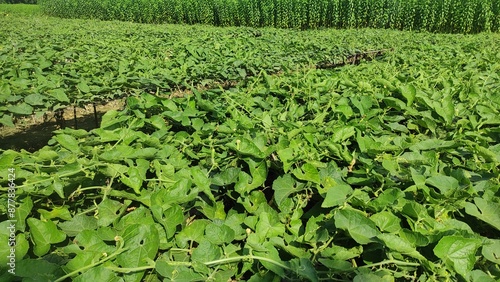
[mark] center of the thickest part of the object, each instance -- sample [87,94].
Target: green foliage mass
[468,16]
[385,170]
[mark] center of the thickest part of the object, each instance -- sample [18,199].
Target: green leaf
[59,94]
[447,109]
[343,133]
[307,172]
[271,253]
[142,242]
[7,120]
[56,212]
[134,179]
[480,276]
[283,187]
[336,195]
[20,248]
[82,86]
[408,91]
[99,273]
[38,270]
[286,156]
[269,226]
[206,252]
[258,171]
[79,223]
[400,245]
[219,234]
[67,141]
[192,232]
[22,212]
[246,147]
[447,185]
[432,144]
[21,109]
[35,99]
[304,268]
[177,273]
[387,221]
[5,91]
[107,212]
[458,253]
[491,251]
[361,228]
[489,211]
[44,233]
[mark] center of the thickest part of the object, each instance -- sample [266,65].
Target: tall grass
[453,16]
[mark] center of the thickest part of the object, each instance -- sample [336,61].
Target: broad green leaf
[343,133]
[107,212]
[336,195]
[21,109]
[246,147]
[19,249]
[409,92]
[283,187]
[490,211]
[139,215]
[269,226]
[4,91]
[258,171]
[414,238]
[304,268]
[432,144]
[271,253]
[447,109]
[192,232]
[82,86]
[35,99]
[491,251]
[480,276]
[307,172]
[79,223]
[134,179]
[219,234]
[67,141]
[99,273]
[173,217]
[201,180]
[447,185]
[56,212]
[142,242]
[6,120]
[33,270]
[22,211]
[361,228]
[387,221]
[44,233]
[286,156]
[369,277]
[177,273]
[458,253]
[59,94]
[206,252]
[400,245]
[387,198]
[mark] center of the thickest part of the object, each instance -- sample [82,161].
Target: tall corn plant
[465,16]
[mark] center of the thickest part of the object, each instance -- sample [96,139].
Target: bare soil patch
[32,133]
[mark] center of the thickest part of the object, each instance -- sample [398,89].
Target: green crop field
[246,152]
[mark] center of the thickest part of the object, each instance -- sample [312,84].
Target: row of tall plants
[465,16]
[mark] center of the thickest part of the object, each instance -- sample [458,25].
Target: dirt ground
[33,133]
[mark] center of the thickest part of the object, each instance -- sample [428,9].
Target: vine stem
[391,261]
[249,257]
[114,254]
